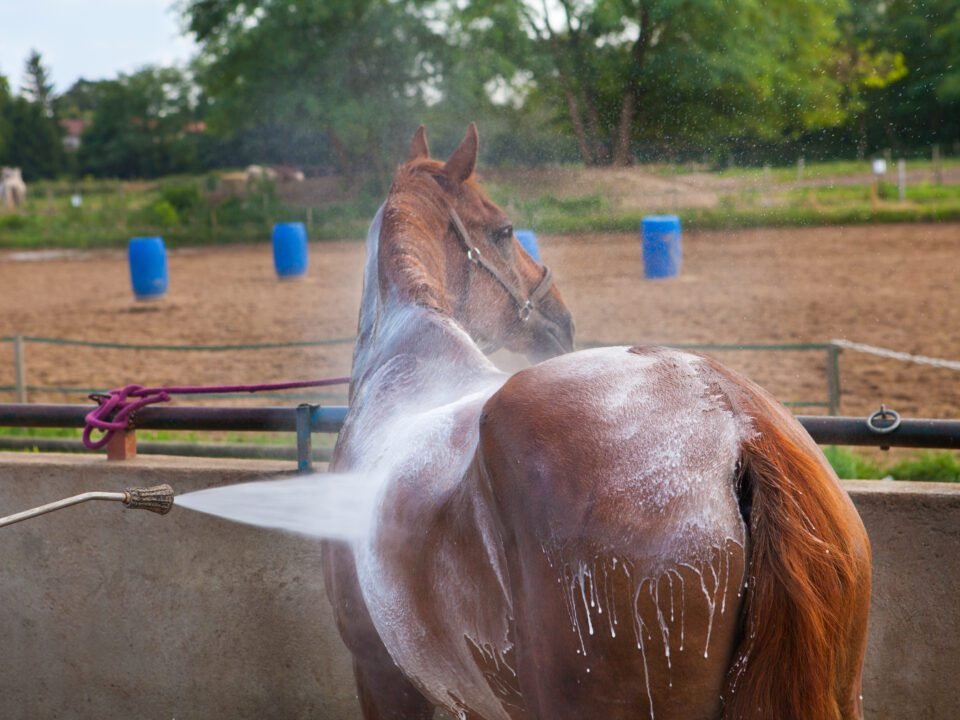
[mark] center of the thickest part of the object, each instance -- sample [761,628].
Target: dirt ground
[894,286]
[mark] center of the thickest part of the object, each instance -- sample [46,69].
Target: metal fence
[882,429]
[22,389]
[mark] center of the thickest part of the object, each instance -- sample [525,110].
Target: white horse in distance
[13,190]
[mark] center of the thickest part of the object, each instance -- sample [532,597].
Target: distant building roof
[74,127]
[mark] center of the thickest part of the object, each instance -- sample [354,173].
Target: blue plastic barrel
[290,249]
[148,267]
[661,246]
[528,240]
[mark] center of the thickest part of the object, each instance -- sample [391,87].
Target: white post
[801,164]
[902,178]
[19,370]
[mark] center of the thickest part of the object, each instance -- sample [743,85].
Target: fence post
[304,438]
[19,369]
[123,445]
[833,378]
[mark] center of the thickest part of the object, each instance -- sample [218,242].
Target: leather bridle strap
[525,306]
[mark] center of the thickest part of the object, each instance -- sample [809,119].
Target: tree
[37,87]
[138,122]
[34,144]
[334,82]
[667,73]
[79,101]
[864,69]
[923,106]
[6,100]
[29,136]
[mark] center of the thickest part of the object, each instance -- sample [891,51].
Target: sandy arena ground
[894,286]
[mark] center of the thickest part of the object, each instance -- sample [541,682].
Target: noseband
[525,306]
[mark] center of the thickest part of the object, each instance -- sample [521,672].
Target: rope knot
[116,409]
[115,412]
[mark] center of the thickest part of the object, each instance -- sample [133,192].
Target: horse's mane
[415,217]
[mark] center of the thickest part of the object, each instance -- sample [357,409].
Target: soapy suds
[332,506]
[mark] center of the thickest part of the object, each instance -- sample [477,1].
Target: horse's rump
[612,476]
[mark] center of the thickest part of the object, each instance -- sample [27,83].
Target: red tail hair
[805,610]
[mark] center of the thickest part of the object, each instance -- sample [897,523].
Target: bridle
[525,306]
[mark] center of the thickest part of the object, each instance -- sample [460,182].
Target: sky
[92,39]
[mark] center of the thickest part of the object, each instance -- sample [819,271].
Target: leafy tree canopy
[138,124]
[664,74]
[338,79]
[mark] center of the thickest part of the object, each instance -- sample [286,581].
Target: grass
[942,466]
[188,211]
[831,169]
[181,210]
[273,439]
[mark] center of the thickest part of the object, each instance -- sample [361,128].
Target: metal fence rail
[22,389]
[304,420]
[307,419]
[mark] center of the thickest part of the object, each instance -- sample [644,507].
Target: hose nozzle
[158,499]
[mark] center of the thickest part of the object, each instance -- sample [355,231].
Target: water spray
[157,499]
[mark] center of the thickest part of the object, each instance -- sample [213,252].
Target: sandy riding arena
[893,286]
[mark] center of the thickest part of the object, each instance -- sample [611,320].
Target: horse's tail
[807,598]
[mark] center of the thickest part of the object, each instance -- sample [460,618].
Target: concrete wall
[114,613]
[913,654]
[110,613]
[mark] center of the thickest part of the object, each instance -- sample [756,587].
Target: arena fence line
[883,428]
[22,389]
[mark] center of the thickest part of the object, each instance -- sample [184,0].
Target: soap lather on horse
[615,533]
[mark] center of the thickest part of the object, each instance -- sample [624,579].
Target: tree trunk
[600,154]
[576,120]
[343,160]
[622,154]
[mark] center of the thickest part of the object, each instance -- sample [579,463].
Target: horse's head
[448,246]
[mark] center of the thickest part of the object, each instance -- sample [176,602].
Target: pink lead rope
[114,410]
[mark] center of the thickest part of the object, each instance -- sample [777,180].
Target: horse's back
[613,477]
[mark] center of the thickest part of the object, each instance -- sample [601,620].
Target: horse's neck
[436,359]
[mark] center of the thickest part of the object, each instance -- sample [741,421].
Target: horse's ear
[462,163]
[419,150]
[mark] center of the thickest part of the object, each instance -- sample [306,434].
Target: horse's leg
[383,690]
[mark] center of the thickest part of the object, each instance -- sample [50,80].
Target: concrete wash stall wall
[111,613]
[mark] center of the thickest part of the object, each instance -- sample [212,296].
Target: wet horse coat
[614,533]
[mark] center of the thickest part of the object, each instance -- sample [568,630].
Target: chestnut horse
[614,533]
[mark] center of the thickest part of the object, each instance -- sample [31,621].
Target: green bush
[13,222]
[183,198]
[941,466]
[929,466]
[851,466]
[159,214]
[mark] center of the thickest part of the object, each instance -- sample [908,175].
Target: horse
[626,532]
[13,190]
